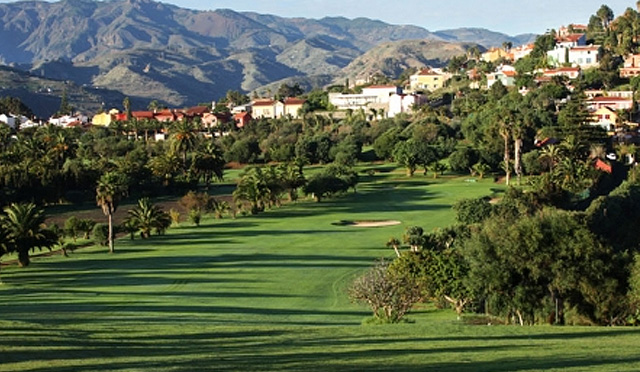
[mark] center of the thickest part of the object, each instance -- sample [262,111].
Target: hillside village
[614,109]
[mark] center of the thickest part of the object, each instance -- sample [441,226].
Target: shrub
[101,234]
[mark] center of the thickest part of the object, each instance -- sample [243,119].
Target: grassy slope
[267,293]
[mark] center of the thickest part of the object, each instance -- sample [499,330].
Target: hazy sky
[508,16]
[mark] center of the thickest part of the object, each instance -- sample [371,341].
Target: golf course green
[268,293]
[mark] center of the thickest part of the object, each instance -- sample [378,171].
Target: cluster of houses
[239,116]
[17,121]
[570,56]
[611,110]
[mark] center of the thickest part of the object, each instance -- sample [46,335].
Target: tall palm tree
[184,138]
[111,187]
[23,226]
[208,163]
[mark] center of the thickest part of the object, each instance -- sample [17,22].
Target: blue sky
[508,16]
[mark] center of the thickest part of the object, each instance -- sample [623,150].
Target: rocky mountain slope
[149,50]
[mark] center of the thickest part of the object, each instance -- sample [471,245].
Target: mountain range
[148,50]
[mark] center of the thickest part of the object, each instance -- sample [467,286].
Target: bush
[101,234]
[469,211]
[389,295]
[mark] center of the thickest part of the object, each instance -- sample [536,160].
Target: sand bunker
[368,223]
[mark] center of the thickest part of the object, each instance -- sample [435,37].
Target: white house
[373,95]
[381,92]
[505,74]
[571,40]
[569,72]
[9,120]
[582,56]
[520,52]
[614,103]
[404,103]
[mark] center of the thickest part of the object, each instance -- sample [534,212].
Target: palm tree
[184,138]
[111,187]
[252,189]
[414,236]
[551,155]
[481,169]
[292,178]
[208,163]
[23,226]
[146,217]
[395,244]
[165,166]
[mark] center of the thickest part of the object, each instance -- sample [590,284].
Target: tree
[65,107]
[126,103]
[439,268]
[292,179]
[286,90]
[414,236]
[462,160]
[395,244]
[407,154]
[208,163]
[472,211]
[389,295]
[385,143]
[23,226]
[533,266]
[184,138]
[146,217]
[605,14]
[332,180]
[111,187]
[252,188]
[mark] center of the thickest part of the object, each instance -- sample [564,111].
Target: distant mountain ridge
[149,50]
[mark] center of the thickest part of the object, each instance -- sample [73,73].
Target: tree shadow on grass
[275,350]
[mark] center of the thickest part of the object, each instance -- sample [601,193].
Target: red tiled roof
[142,114]
[427,72]
[294,101]
[601,165]
[263,102]
[609,99]
[197,110]
[510,73]
[571,38]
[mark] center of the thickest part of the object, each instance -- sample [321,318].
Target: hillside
[149,50]
[484,37]
[391,59]
[43,95]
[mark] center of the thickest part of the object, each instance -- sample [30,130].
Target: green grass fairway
[267,293]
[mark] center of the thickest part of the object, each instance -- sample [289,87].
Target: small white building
[69,120]
[381,92]
[9,120]
[520,52]
[404,103]
[505,74]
